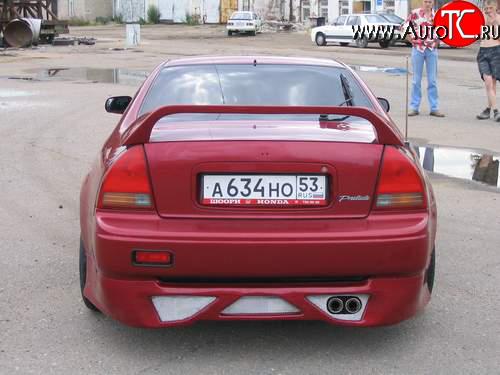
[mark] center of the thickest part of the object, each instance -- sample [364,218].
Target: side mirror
[117,104]
[384,103]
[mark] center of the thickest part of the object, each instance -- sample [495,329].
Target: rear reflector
[400,184]
[126,184]
[175,308]
[260,305]
[152,258]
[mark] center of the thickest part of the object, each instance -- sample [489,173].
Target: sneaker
[496,115]
[413,112]
[485,114]
[436,114]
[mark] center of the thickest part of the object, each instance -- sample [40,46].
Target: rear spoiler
[139,132]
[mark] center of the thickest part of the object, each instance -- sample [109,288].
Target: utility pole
[292,17]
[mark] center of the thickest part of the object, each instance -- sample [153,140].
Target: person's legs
[431,61]
[486,60]
[417,61]
[490,86]
[491,92]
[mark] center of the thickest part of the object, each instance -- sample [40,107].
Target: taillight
[400,184]
[126,184]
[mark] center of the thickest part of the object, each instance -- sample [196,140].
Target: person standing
[488,61]
[424,51]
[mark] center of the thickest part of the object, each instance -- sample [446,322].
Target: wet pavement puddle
[465,164]
[96,75]
[136,77]
[5,94]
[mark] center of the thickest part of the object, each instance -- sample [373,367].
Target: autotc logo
[460,23]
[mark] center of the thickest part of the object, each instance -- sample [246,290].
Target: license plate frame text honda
[264,190]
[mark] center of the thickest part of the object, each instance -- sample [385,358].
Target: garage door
[166,10]
[173,10]
[212,11]
[227,8]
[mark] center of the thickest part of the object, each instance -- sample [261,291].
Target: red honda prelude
[256,188]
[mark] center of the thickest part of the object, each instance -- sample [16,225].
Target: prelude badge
[354,198]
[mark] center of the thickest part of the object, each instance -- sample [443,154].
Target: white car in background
[341,30]
[244,22]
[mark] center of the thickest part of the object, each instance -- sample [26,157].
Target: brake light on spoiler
[400,184]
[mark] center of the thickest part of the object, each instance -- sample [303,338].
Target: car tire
[431,272]
[384,43]
[83,277]
[253,33]
[229,33]
[362,42]
[320,39]
[344,44]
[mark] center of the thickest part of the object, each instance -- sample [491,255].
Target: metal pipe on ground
[22,32]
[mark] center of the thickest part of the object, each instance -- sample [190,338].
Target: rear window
[241,16]
[286,85]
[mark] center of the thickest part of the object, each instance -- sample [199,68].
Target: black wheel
[431,271]
[83,277]
[320,39]
[343,44]
[229,33]
[362,42]
[384,43]
[253,33]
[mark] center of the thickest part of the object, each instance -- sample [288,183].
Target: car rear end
[259,220]
[242,22]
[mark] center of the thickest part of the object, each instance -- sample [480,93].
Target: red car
[256,188]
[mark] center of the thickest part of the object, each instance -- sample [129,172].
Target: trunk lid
[181,154]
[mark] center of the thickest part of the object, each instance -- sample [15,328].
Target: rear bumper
[391,300]
[376,246]
[241,28]
[391,253]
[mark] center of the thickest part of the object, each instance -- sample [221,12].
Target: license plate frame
[319,198]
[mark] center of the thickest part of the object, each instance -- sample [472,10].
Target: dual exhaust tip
[344,305]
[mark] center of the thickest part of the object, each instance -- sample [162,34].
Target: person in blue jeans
[424,52]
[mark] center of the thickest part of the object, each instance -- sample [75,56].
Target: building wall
[85,9]
[330,9]
[207,11]
[214,11]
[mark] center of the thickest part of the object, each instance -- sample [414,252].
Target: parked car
[256,188]
[393,18]
[341,30]
[244,22]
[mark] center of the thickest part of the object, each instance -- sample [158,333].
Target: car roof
[275,60]
[360,14]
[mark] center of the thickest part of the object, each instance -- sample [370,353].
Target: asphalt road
[51,131]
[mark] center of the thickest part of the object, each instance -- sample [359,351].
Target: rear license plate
[264,190]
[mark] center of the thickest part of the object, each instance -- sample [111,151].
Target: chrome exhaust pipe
[353,305]
[335,305]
